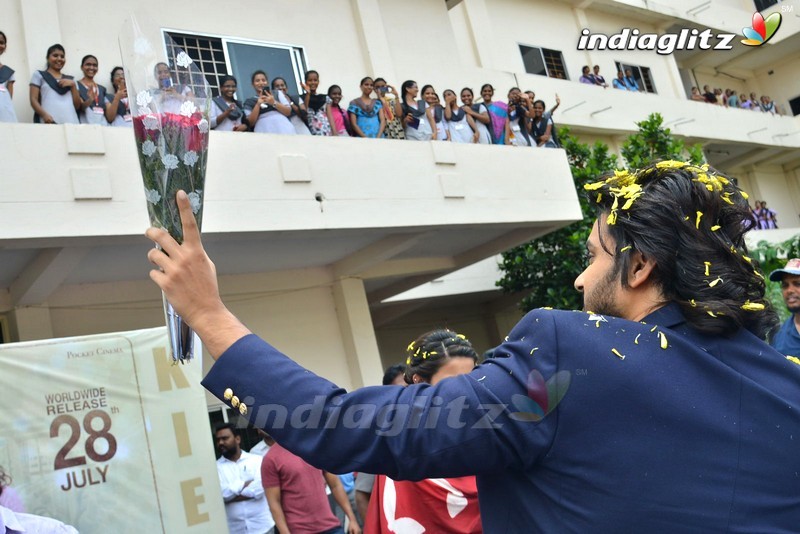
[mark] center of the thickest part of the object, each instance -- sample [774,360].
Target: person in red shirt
[434,504]
[296,495]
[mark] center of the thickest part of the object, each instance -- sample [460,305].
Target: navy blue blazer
[580,423]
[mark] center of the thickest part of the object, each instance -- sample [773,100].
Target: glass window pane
[533,61]
[248,58]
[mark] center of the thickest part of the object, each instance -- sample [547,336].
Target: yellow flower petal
[744,195]
[693,303]
[748,260]
[599,197]
[752,306]
[594,186]
[711,313]
[617,354]
[707,264]
[794,359]
[663,338]
[654,328]
[715,282]
[410,346]
[534,349]
[636,341]
[697,222]
[623,249]
[715,228]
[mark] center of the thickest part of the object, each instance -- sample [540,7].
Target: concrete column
[42,28]
[480,27]
[358,334]
[27,324]
[369,21]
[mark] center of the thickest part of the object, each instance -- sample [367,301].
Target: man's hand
[188,278]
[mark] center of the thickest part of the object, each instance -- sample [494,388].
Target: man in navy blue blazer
[658,409]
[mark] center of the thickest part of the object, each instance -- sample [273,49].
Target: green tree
[545,268]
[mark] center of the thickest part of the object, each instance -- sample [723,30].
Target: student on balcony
[630,81]
[619,81]
[587,77]
[227,112]
[298,116]
[366,118]
[93,95]
[7,113]
[479,114]
[268,112]
[118,112]
[598,79]
[54,96]
[419,124]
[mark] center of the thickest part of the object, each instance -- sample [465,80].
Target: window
[762,5]
[217,56]
[642,76]
[543,61]
[794,105]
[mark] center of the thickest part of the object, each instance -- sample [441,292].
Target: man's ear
[640,269]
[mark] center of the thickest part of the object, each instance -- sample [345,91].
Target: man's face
[599,284]
[227,443]
[790,287]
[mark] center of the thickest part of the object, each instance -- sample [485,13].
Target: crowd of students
[729,99]
[381,111]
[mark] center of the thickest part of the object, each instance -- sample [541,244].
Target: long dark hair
[5,479]
[691,221]
[430,351]
[52,49]
[404,89]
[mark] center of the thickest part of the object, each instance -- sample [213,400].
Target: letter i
[584,38]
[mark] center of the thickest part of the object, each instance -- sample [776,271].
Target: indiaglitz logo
[542,396]
[762,30]
[687,39]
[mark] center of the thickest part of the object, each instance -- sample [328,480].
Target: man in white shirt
[14,523]
[240,480]
[262,447]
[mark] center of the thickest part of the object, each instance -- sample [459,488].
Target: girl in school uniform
[54,96]
[460,125]
[7,113]
[418,123]
[517,128]
[268,112]
[435,108]
[479,114]
[227,112]
[298,116]
[118,112]
[93,95]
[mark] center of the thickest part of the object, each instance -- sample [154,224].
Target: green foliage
[653,142]
[773,256]
[545,269]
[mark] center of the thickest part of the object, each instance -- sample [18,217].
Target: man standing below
[262,447]
[240,480]
[787,340]
[296,494]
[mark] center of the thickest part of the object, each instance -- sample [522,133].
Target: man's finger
[191,234]
[159,259]
[164,240]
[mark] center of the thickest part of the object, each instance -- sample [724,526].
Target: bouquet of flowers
[171,125]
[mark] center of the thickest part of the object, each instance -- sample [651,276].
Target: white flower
[151,122]
[148,148]
[141,46]
[188,108]
[170,161]
[183,60]
[202,126]
[143,111]
[190,158]
[152,195]
[194,200]
[143,99]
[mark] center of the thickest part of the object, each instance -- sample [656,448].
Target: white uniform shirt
[252,515]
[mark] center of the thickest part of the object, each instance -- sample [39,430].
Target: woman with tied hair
[418,122]
[498,112]
[227,113]
[435,504]
[54,96]
[8,497]
[93,95]
[366,117]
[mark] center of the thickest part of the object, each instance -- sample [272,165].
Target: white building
[312,235]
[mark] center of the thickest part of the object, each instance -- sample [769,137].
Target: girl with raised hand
[392,109]
[461,127]
[419,125]
[479,114]
[268,112]
[93,95]
[434,504]
[498,113]
[542,127]
[298,116]
[318,106]
[7,113]
[366,119]
[436,111]
[227,113]
[54,96]
[341,121]
[118,112]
